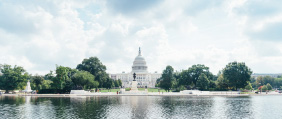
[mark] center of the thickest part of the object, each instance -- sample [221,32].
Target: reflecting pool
[125,107]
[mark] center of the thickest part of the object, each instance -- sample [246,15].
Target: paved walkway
[142,94]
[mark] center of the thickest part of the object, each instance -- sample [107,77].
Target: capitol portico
[143,77]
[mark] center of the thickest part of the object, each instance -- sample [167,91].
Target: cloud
[258,8]
[263,19]
[10,21]
[40,34]
[193,7]
[269,32]
[129,7]
[40,38]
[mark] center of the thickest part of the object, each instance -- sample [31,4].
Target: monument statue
[134,76]
[134,83]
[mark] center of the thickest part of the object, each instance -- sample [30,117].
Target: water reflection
[186,107]
[9,104]
[90,107]
[239,108]
[140,107]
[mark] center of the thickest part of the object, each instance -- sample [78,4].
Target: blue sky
[40,34]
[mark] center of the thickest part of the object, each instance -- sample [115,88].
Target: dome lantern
[139,64]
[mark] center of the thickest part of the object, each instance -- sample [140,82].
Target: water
[124,107]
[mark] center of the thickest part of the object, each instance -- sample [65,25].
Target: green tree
[197,70]
[46,84]
[62,79]
[167,78]
[119,82]
[249,86]
[269,87]
[12,77]
[96,68]
[176,82]
[191,76]
[212,84]
[84,79]
[109,83]
[264,88]
[38,81]
[116,83]
[263,80]
[277,82]
[203,82]
[268,79]
[185,78]
[253,79]
[259,81]
[49,76]
[221,83]
[237,74]
[92,84]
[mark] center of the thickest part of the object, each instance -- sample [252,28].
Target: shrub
[269,87]
[264,88]
[53,91]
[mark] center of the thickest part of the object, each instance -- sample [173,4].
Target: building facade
[143,77]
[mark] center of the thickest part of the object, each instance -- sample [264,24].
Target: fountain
[27,88]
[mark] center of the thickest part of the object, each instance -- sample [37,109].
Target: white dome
[139,64]
[139,58]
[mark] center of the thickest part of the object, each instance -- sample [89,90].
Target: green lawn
[247,93]
[128,89]
[152,89]
[106,90]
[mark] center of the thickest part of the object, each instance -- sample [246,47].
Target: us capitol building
[143,77]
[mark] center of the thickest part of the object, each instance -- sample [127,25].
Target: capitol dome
[139,63]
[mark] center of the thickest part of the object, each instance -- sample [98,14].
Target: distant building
[255,75]
[143,77]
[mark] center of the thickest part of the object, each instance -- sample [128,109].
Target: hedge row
[53,91]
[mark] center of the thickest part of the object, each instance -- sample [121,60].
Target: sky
[38,35]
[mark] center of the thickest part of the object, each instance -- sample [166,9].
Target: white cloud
[38,35]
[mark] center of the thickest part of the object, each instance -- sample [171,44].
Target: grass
[247,93]
[128,89]
[152,89]
[111,90]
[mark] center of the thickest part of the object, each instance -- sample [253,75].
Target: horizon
[37,35]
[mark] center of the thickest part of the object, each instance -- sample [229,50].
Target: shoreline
[94,95]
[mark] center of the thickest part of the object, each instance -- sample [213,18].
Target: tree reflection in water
[92,107]
[186,107]
[239,107]
[9,104]
[127,107]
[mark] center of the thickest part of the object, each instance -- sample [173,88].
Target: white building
[143,77]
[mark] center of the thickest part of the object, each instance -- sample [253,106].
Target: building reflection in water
[140,107]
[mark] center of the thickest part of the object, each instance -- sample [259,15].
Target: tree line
[265,83]
[89,74]
[234,76]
